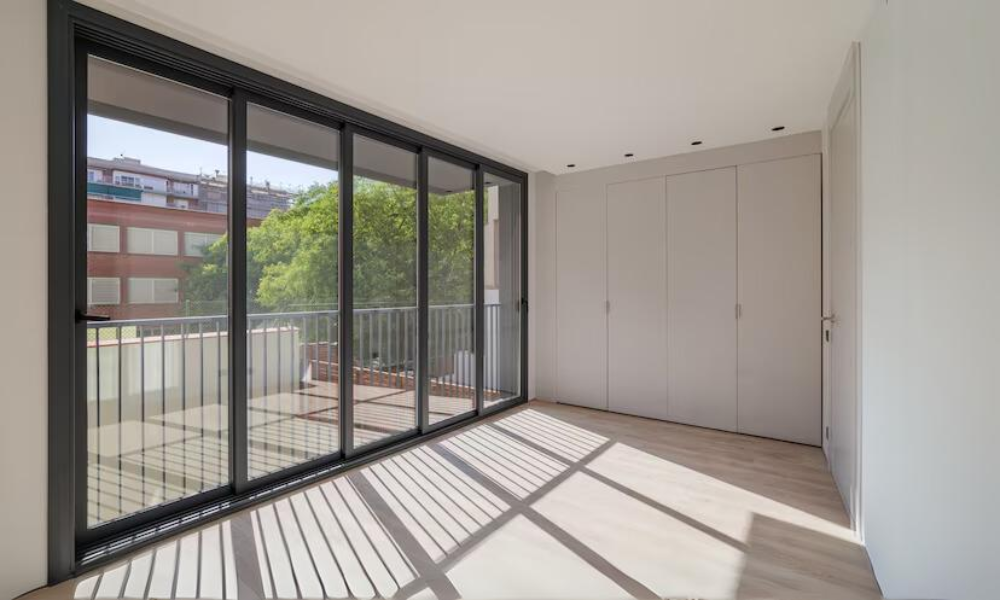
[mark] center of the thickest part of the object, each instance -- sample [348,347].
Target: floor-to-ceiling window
[502,298]
[345,251]
[292,206]
[156,206]
[451,221]
[385,290]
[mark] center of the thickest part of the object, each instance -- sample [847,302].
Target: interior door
[779,289]
[581,315]
[701,298]
[637,297]
[842,325]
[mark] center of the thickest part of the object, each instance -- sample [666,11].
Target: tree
[292,255]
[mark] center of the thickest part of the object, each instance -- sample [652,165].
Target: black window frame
[75,32]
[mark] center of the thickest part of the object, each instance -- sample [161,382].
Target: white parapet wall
[180,380]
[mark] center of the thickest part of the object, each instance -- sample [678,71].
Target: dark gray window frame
[74,32]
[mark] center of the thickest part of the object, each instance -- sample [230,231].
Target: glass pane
[451,289]
[157,414]
[502,295]
[292,214]
[385,290]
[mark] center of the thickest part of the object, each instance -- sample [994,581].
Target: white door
[779,329]
[843,341]
[581,315]
[637,296]
[701,298]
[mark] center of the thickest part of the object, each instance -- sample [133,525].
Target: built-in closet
[695,297]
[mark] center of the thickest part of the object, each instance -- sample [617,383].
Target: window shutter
[195,243]
[103,238]
[165,242]
[165,291]
[161,242]
[149,290]
[103,291]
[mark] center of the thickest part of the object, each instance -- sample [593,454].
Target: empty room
[510,300]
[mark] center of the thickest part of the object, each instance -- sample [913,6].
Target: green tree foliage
[385,245]
[291,255]
[451,257]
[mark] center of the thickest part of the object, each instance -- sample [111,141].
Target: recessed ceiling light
[696,143]
[571,165]
[778,128]
[629,155]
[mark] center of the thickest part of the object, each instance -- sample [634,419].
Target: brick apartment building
[145,223]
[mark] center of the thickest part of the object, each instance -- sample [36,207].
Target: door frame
[848,89]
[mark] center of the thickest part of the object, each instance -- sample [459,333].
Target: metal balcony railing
[157,396]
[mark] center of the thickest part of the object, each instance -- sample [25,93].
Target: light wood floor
[547,501]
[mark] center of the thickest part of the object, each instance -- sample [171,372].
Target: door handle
[831,319]
[83,317]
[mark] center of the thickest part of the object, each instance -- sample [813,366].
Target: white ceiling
[543,83]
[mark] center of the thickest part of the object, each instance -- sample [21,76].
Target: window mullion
[238,434]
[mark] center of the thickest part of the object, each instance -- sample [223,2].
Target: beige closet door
[779,360]
[701,298]
[637,365]
[581,315]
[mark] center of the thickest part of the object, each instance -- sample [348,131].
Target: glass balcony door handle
[82,317]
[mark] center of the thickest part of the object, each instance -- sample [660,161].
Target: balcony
[157,398]
[180,191]
[113,191]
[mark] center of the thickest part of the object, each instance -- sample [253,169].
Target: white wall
[931,297]
[23,171]
[541,290]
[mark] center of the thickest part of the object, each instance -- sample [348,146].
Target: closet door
[779,370]
[581,316]
[637,282]
[701,298]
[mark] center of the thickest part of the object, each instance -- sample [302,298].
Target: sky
[107,138]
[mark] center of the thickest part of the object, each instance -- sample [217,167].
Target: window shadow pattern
[159,434]
[527,505]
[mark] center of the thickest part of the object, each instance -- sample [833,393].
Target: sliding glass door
[503,298]
[156,327]
[292,207]
[384,370]
[354,264]
[451,238]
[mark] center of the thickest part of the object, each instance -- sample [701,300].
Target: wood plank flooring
[547,501]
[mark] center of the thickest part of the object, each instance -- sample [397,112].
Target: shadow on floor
[789,473]
[538,503]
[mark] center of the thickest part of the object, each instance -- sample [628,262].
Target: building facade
[146,225]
